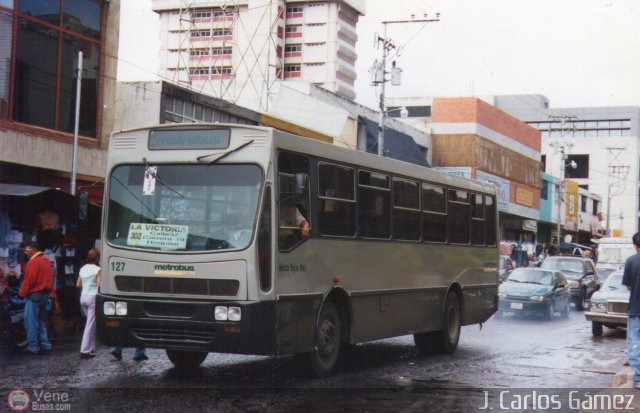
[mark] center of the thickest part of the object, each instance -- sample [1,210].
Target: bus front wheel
[185,360]
[324,357]
[445,340]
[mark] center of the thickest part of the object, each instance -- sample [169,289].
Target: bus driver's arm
[303,224]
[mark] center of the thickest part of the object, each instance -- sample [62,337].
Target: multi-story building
[598,147]
[239,51]
[39,45]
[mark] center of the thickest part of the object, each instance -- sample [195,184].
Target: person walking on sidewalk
[89,280]
[631,278]
[37,286]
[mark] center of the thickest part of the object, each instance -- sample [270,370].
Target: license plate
[516,306]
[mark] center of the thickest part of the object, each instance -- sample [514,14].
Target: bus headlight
[221,313]
[109,308]
[234,314]
[224,313]
[121,308]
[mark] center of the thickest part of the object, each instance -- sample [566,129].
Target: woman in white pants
[89,279]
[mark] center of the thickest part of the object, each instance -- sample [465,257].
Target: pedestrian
[89,280]
[139,355]
[37,287]
[631,278]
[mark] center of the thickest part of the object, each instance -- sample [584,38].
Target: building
[240,51]
[39,45]
[472,138]
[603,145]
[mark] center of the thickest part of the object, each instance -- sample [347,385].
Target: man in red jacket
[37,285]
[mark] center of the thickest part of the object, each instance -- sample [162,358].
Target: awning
[397,145]
[22,190]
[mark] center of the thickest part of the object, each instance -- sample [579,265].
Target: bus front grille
[193,335]
[169,285]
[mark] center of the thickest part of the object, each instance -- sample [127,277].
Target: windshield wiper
[225,154]
[535,282]
[515,281]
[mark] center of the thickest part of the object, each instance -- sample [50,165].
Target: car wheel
[550,311]
[596,329]
[581,304]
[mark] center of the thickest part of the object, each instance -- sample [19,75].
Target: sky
[578,53]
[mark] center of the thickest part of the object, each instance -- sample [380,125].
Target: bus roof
[612,240]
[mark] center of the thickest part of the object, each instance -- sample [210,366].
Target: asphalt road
[514,354]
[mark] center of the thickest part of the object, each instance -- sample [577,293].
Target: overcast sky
[575,52]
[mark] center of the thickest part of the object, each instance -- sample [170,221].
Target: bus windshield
[183,207]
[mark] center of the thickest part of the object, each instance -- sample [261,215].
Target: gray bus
[249,240]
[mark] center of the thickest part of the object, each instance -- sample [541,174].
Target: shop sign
[502,188]
[572,200]
[162,236]
[464,172]
[530,225]
[524,197]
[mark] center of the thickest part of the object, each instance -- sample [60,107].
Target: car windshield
[531,276]
[570,265]
[614,282]
[183,207]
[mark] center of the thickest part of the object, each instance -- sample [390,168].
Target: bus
[204,250]
[612,253]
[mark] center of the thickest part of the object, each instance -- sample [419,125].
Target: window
[201,15]
[336,193]
[201,33]
[294,9]
[406,210]
[42,72]
[490,220]
[293,29]
[293,199]
[434,213]
[199,71]
[374,205]
[583,203]
[221,70]
[595,207]
[477,219]
[221,51]
[222,32]
[291,48]
[458,216]
[544,191]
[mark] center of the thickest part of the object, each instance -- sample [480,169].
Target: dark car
[581,273]
[534,290]
[609,305]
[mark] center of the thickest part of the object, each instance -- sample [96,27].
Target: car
[581,273]
[603,273]
[534,290]
[609,305]
[505,266]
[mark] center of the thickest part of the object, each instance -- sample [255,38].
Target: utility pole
[379,70]
[616,181]
[562,147]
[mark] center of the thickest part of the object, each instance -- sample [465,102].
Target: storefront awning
[22,190]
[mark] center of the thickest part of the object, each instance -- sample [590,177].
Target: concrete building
[604,144]
[39,45]
[240,51]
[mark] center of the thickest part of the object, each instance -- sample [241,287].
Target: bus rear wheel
[445,340]
[324,357]
[185,360]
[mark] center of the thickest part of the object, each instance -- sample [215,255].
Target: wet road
[387,375]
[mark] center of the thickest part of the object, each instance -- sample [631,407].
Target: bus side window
[294,222]
[336,200]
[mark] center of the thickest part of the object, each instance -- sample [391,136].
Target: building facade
[240,51]
[602,143]
[39,45]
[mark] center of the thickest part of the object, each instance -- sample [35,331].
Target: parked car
[581,273]
[505,266]
[534,290]
[609,305]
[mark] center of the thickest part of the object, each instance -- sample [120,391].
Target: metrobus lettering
[173,267]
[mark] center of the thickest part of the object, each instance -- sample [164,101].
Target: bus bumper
[188,325]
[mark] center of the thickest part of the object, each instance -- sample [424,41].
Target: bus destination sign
[162,236]
[189,139]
